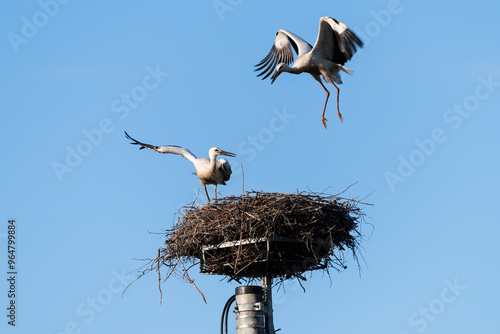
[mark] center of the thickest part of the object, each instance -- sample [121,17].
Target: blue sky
[420,133]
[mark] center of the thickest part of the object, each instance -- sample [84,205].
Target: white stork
[334,46]
[209,171]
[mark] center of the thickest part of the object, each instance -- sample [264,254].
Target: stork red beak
[229,154]
[275,75]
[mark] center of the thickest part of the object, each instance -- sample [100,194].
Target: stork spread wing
[164,149]
[335,41]
[281,52]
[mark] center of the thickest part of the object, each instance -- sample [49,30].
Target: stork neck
[213,160]
[293,70]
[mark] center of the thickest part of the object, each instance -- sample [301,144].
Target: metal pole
[249,310]
[267,284]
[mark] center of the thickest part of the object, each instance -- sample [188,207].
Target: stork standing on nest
[209,171]
[334,46]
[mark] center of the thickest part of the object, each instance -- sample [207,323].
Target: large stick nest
[262,234]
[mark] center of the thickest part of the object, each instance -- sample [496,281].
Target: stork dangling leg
[338,111]
[323,119]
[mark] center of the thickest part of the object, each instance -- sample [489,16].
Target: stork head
[282,67]
[279,69]
[215,151]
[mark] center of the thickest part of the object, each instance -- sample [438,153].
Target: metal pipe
[267,284]
[249,310]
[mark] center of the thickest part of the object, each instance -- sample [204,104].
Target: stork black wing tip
[128,136]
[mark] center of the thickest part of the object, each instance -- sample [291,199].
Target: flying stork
[334,46]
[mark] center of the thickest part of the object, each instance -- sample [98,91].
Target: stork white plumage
[334,46]
[209,171]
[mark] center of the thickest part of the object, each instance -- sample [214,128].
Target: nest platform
[262,234]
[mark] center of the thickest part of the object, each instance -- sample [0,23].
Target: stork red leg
[206,193]
[338,111]
[323,119]
[215,198]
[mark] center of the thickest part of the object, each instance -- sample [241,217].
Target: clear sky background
[420,134]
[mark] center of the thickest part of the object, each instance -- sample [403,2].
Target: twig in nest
[159,275]
[243,180]
[191,280]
